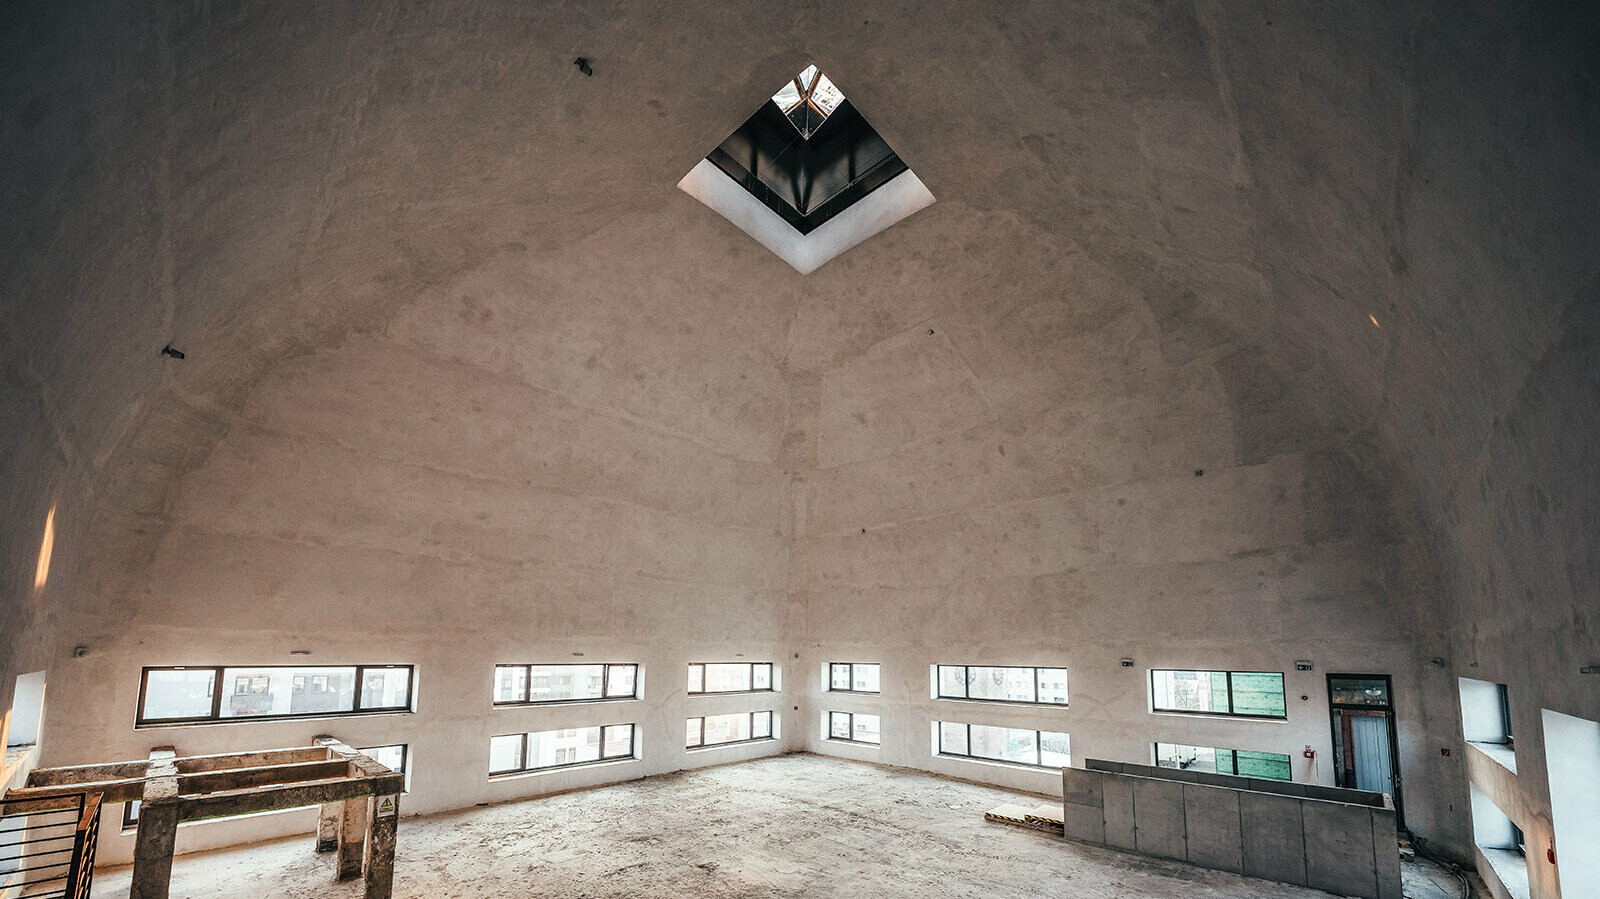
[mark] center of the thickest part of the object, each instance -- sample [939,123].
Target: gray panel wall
[1222,822]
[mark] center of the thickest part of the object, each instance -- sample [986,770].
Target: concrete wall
[1256,828]
[452,496]
[1036,480]
[1338,259]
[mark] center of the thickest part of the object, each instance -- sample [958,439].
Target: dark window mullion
[527,683]
[216,693]
[1230,691]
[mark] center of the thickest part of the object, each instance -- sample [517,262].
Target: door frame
[1394,736]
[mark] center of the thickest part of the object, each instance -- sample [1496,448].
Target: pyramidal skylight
[806,175]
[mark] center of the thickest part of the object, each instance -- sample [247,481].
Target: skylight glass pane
[787,98]
[808,100]
[825,95]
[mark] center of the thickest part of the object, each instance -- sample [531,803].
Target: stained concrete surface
[797,825]
[455,344]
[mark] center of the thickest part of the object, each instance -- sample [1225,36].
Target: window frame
[631,755]
[850,728]
[966,681]
[1233,754]
[1506,737]
[1038,745]
[771,718]
[1150,680]
[527,683]
[852,678]
[215,715]
[771,687]
[405,759]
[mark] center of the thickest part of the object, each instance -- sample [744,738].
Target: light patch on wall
[42,572]
[1374,320]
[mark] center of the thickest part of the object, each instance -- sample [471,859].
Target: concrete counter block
[1341,841]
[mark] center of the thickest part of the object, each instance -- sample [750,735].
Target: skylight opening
[806,175]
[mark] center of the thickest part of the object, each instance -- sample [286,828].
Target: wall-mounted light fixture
[583,65]
[1302,665]
[1127,663]
[169,351]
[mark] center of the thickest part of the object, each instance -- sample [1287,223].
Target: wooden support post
[380,846]
[328,827]
[352,837]
[158,828]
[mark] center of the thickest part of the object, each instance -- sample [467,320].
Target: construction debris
[1044,818]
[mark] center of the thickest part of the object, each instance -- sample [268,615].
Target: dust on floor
[792,826]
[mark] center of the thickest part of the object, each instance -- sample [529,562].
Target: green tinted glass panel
[1225,764]
[1258,694]
[1265,765]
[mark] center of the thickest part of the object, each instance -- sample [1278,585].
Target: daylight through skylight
[806,175]
[808,99]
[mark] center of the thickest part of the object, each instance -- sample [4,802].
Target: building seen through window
[853,677]
[516,684]
[730,677]
[1244,763]
[1251,694]
[272,691]
[997,683]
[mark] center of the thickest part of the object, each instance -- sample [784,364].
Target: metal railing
[47,847]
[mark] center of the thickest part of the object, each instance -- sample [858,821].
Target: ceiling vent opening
[806,175]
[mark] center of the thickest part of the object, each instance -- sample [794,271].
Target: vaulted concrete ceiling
[1346,227]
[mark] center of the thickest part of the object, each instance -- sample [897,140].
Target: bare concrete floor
[783,827]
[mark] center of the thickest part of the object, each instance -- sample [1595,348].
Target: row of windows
[566,747]
[271,691]
[1049,749]
[187,694]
